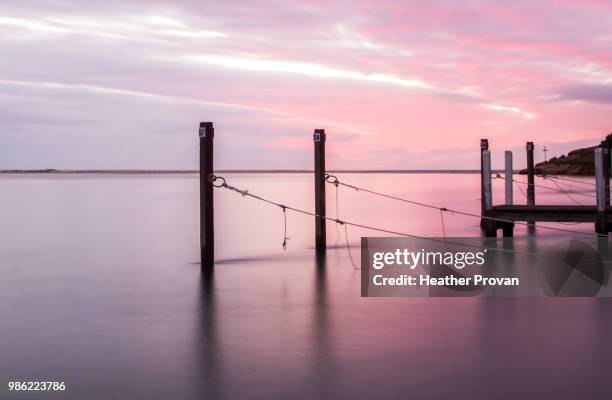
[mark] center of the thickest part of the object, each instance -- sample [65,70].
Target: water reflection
[209,380]
[230,357]
[114,307]
[322,368]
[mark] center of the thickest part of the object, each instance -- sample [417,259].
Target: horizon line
[241,171]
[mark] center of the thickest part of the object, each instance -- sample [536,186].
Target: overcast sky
[404,84]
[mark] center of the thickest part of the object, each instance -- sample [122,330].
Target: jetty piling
[600,223]
[319,184]
[207,215]
[530,182]
[484,145]
[530,175]
[508,177]
[487,225]
[607,159]
[487,200]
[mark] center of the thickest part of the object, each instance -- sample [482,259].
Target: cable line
[222,183]
[334,180]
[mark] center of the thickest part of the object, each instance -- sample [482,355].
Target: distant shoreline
[235,171]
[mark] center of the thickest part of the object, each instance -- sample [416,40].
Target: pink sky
[395,84]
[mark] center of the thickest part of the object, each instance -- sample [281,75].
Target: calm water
[100,287]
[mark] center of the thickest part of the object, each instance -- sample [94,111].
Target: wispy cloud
[147,28]
[590,93]
[300,68]
[131,93]
[509,109]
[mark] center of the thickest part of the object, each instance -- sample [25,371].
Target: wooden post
[319,161]
[489,226]
[530,183]
[207,220]
[530,175]
[508,227]
[607,159]
[600,225]
[484,145]
[508,177]
[486,171]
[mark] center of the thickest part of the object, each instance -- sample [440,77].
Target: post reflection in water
[322,368]
[209,380]
[271,339]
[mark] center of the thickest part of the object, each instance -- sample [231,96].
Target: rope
[333,180]
[346,235]
[245,193]
[348,247]
[498,176]
[285,238]
[520,188]
[443,227]
[337,201]
[565,179]
[567,193]
[571,198]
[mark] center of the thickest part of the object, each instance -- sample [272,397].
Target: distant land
[577,162]
[235,171]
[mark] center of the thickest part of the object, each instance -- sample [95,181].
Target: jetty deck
[549,213]
[503,216]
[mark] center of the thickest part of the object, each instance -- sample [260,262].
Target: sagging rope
[348,247]
[567,193]
[571,198]
[346,235]
[520,188]
[556,189]
[443,226]
[565,179]
[285,237]
[555,177]
[333,180]
[245,193]
[559,188]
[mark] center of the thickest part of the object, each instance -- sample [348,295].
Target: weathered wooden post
[508,227]
[508,177]
[530,175]
[319,161]
[207,217]
[488,225]
[607,160]
[601,225]
[486,171]
[484,145]
[530,182]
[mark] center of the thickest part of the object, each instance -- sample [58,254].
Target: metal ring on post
[215,178]
[331,179]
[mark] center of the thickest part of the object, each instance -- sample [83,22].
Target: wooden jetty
[492,218]
[501,216]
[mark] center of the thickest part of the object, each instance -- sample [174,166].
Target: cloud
[147,28]
[127,92]
[590,93]
[308,69]
[376,75]
[509,109]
